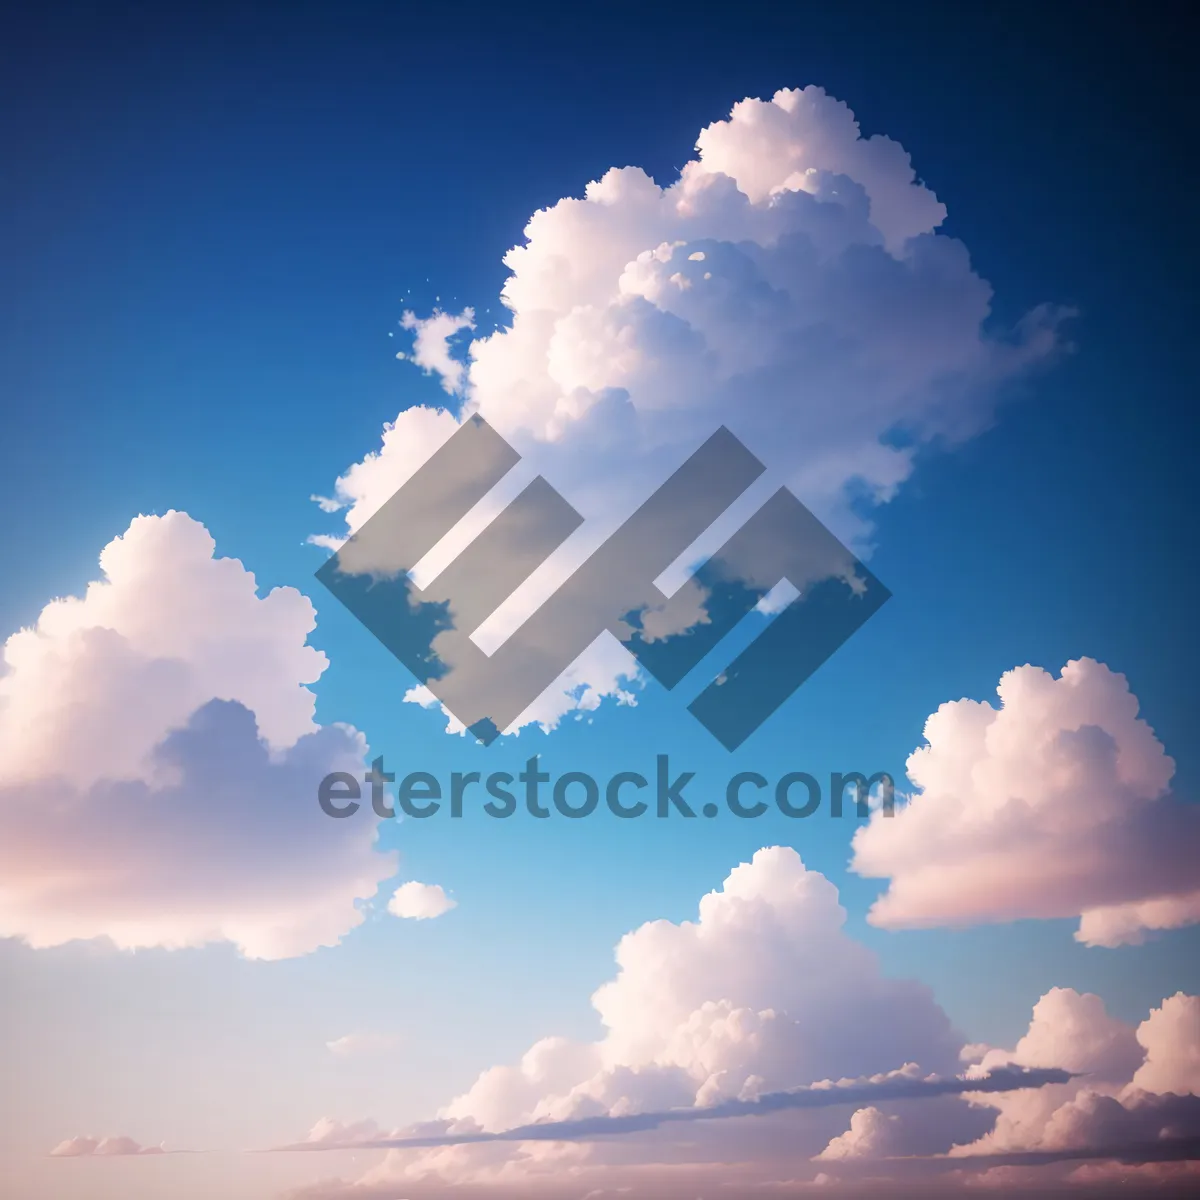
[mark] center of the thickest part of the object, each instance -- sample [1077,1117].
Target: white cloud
[351,1045]
[603,671]
[431,344]
[790,284]
[331,1132]
[763,991]
[1170,1035]
[1069,1030]
[871,1135]
[1073,1030]
[109,1147]
[1122,1096]
[905,1084]
[96,684]
[1126,924]
[159,762]
[1055,804]
[407,442]
[420,901]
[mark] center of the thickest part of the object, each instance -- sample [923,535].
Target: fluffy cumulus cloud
[872,1134]
[159,759]
[420,901]
[1136,1088]
[708,1021]
[1055,803]
[763,992]
[728,1005]
[1170,1037]
[790,284]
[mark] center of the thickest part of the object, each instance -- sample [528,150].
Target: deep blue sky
[209,216]
[215,210]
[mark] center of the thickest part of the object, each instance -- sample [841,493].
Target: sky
[931,266]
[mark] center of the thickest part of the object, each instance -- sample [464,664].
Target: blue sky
[214,219]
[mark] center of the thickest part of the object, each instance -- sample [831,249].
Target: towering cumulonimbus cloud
[1054,804]
[790,284]
[159,762]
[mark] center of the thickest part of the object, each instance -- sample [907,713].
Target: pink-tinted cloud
[1134,1087]
[713,1029]
[791,284]
[106,1147]
[1170,1036]
[1054,804]
[415,901]
[159,762]
[762,992]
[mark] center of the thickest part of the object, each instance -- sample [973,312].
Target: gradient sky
[213,218]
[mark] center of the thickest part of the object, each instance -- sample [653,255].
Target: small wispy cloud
[353,1044]
[108,1147]
[432,351]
